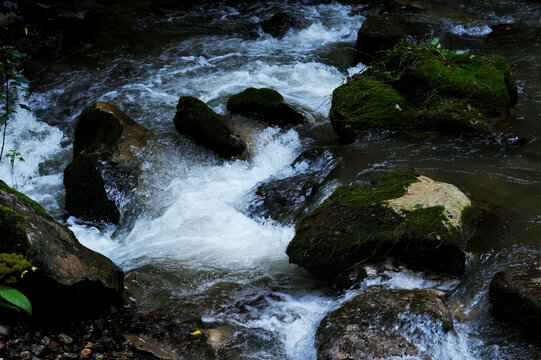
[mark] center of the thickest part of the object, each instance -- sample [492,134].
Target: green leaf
[8,306]
[23,106]
[435,41]
[4,119]
[16,298]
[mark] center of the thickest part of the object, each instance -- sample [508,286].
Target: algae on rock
[361,224]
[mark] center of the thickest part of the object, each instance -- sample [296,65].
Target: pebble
[46,341]
[65,339]
[26,355]
[38,350]
[4,330]
[86,352]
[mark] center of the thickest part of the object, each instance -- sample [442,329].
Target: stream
[190,238]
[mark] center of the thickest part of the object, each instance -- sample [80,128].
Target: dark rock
[504,30]
[400,6]
[68,272]
[65,339]
[25,355]
[279,24]
[403,215]
[383,32]
[39,350]
[515,294]
[197,120]
[103,135]
[151,347]
[377,324]
[265,104]
[418,86]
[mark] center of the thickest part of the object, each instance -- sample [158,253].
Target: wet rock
[70,274]
[504,30]
[65,339]
[265,104]
[132,290]
[383,32]
[420,87]
[400,6]
[287,200]
[39,350]
[403,215]
[4,330]
[380,323]
[279,24]
[197,120]
[150,346]
[219,337]
[25,355]
[103,135]
[515,294]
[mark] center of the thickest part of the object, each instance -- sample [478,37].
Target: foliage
[13,82]
[13,155]
[13,267]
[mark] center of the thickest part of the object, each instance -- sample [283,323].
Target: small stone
[38,350]
[52,345]
[89,345]
[25,355]
[65,339]
[45,341]
[2,345]
[86,352]
[28,336]
[4,330]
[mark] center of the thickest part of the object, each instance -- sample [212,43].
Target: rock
[103,134]
[4,330]
[265,104]
[86,352]
[197,120]
[515,294]
[25,355]
[70,275]
[504,30]
[378,324]
[279,24]
[38,350]
[287,200]
[219,337]
[150,346]
[393,6]
[403,215]
[383,32]
[65,339]
[420,87]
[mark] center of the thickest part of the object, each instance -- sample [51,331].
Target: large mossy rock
[265,104]
[380,323]
[69,275]
[103,135]
[279,24]
[515,294]
[419,86]
[383,32]
[197,120]
[403,215]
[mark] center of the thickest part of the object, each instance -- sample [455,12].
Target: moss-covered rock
[419,86]
[265,104]
[103,135]
[515,294]
[380,323]
[383,32]
[13,267]
[69,275]
[197,120]
[403,215]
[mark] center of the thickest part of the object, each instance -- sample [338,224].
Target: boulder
[287,200]
[279,24]
[69,275]
[380,323]
[383,32]
[515,294]
[105,137]
[423,87]
[404,215]
[265,104]
[197,120]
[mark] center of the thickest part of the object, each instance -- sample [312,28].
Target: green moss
[33,204]
[12,268]
[252,99]
[197,120]
[368,103]
[13,229]
[95,129]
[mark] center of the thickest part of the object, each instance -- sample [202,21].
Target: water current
[191,240]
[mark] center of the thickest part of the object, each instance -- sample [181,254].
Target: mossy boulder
[197,120]
[380,323]
[69,275]
[104,137]
[404,215]
[383,32]
[265,104]
[279,24]
[515,294]
[419,86]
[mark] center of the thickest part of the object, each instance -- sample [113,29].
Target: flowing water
[189,237]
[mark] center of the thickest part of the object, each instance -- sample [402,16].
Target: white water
[191,219]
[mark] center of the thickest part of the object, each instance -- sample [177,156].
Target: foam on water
[471,30]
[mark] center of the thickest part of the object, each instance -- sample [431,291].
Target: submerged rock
[197,120]
[383,32]
[265,104]
[515,294]
[419,86]
[380,323]
[104,136]
[403,215]
[69,275]
[279,24]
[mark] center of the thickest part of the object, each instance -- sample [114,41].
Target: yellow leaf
[196,332]
[26,31]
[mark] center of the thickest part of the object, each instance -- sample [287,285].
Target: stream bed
[191,239]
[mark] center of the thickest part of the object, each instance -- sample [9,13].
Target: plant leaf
[8,306]
[23,106]
[16,298]
[4,119]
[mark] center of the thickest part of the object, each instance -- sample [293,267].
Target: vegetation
[12,268]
